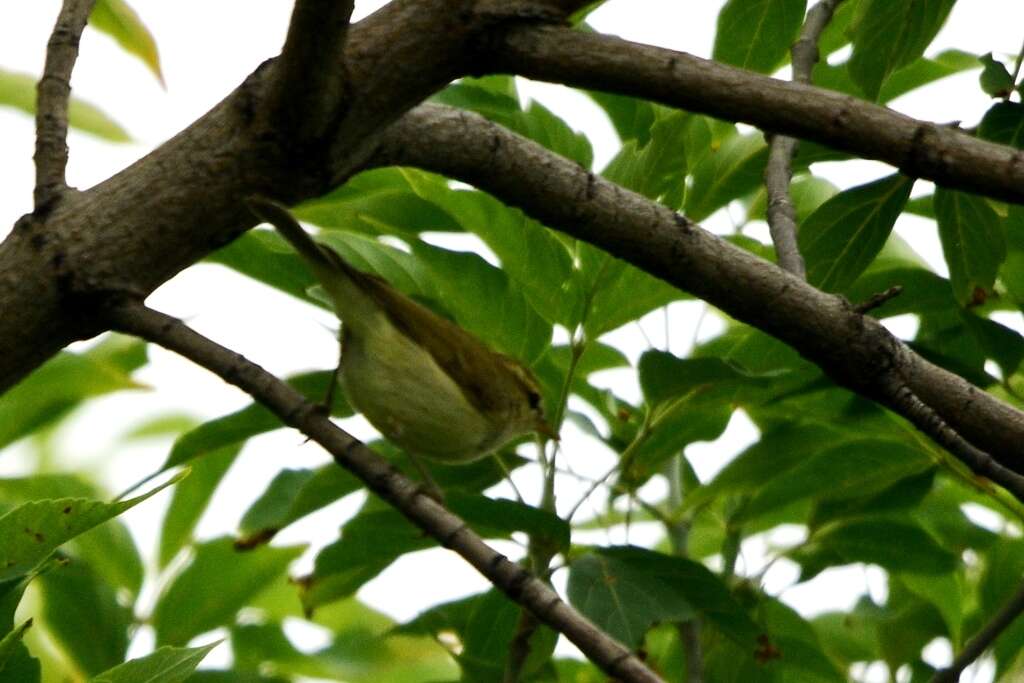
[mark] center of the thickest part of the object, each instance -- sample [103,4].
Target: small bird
[429,386]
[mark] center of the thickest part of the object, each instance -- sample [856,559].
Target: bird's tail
[281,218]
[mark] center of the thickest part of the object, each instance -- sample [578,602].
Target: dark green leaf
[491,626]
[973,242]
[217,583]
[293,494]
[895,545]
[485,302]
[732,170]
[920,72]
[658,168]
[19,91]
[190,498]
[893,34]
[1004,123]
[1000,343]
[995,79]
[625,590]
[166,665]
[840,239]
[756,34]
[76,601]
[664,377]
[847,470]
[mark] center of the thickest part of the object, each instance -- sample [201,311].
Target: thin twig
[778,172]
[982,639]
[52,96]
[1016,66]
[311,80]
[387,482]
[904,401]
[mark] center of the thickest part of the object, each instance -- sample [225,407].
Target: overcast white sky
[207,47]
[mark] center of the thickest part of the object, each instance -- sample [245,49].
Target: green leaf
[166,665]
[495,98]
[489,631]
[217,583]
[30,532]
[625,590]
[532,256]
[11,645]
[254,419]
[382,201]
[293,494]
[664,377]
[631,117]
[920,72]
[374,538]
[108,548]
[120,22]
[995,79]
[484,301]
[1004,123]
[756,34]
[190,498]
[63,383]
[807,193]
[853,469]
[895,545]
[946,593]
[619,292]
[841,238]
[973,242]
[733,169]
[893,34]
[369,543]
[656,169]
[19,91]
[76,600]
[1000,343]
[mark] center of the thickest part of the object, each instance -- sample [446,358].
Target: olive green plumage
[425,383]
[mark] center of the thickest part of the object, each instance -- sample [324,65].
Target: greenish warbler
[425,383]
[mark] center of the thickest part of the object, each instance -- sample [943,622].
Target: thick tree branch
[168,210]
[918,148]
[983,639]
[855,350]
[387,482]
[310,82]
[53,94]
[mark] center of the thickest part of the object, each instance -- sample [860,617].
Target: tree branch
[983,639]
[310,80]
[384,480]
[778,172]
[855,350]
[53,93]
[920,149]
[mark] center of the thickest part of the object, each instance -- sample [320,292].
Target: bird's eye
[534,398]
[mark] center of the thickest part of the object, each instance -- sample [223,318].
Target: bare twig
[779,212]
[310,83]
[902,399]
[879,299]
[778,172]
[983,639]
[384,480]
[53,94]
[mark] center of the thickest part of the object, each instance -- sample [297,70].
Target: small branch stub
[53,95]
